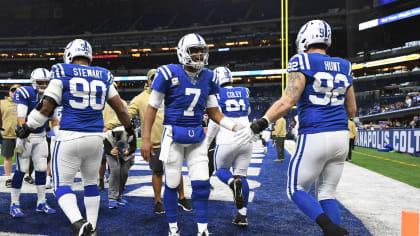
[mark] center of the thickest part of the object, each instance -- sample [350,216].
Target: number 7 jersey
[84,94]
[321,105]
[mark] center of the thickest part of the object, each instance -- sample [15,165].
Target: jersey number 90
[333,91]
[87,92]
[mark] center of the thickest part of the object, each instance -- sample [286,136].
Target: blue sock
[17,179]
[200,196]
[40,178]
[224,175]
[331,209]
[308,204]
[245,190]
[170,201]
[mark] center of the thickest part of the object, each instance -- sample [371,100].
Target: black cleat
[335,230]
[8,183]
[159,208]
[240,220]
[185,204]
[28,179]
[238,197]
[82,228]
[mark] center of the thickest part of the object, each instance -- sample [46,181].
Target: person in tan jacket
[8,113]
[137,107]
[353,138]
[279,134]
[108,114]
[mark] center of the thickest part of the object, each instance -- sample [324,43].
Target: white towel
[165,146]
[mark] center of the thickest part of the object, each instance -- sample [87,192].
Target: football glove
[131,137]
[23,131]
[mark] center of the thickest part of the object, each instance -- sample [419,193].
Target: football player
[82,90]
[188,89]
[34,147]
[234,102]
[322,88]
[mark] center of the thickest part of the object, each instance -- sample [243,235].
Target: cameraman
[119,161]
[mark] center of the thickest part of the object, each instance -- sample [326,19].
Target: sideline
[387,159]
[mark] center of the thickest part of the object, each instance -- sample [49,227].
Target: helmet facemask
[196,56]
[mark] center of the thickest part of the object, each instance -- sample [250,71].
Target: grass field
[398,166]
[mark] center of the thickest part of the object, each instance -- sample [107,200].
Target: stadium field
[398,166]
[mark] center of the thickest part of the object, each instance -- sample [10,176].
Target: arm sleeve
[22,110]
[211,101]
[156,99]
[112,92]
[55,90]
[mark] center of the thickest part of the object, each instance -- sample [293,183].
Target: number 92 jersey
[185,98]
[321,105]
[234,102]
[84,93]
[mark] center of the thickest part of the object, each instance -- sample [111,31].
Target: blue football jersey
[321,105]
[28,96]
[85,92]
[185,98]
[234,101]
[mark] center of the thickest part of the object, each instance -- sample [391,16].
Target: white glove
[244,136]
[22,145]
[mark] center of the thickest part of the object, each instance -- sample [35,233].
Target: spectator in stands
[408,101]
[415,123]
[353,137]
[8,114]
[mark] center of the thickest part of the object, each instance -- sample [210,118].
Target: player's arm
[217,116]
[350,103]
[155,102]
[212,131]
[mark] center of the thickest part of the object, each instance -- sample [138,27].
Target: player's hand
[131,137]
[114,151]
[146,149]
[23,131]
[244,136]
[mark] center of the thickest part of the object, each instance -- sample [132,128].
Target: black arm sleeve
[107,147]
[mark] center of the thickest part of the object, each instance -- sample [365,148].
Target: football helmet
[77,48]
[40,78]
[314,31]
[224,75]
[193,51]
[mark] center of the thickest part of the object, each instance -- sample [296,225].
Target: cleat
[238,197]
[82,228]
[174,232]
[159,208]
[334,230]
[204,233]
[101,185]
[122,202]
[15,211]
[8,183]
[28,179]
[185,204]
[44,208]
[112,204]
[240,220]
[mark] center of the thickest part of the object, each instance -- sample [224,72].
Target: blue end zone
[270,213]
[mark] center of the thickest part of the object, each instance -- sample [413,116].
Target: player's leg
[197,162]
[156,166]
[182,201]
[7,150]
[39,158]
[173,172]
[240,168]
[327,182]
[102,169]
[114,181]
[22,166]
[125,169]
[65,164]
[48,181]
[90,150]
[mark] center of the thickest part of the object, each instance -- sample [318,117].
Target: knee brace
[91,190]
[40,177]
[17,179]
[40,164]
[200,196]
[172,178]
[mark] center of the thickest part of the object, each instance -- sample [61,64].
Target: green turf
[398,166]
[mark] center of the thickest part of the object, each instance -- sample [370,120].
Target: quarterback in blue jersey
[322,88]
[189,90]
[234,103]
[34,147]
[82,90]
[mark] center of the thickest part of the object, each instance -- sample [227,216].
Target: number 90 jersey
[84,94]
[234,102]
[185,98]
[321,105]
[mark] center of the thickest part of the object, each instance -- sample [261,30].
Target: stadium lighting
[388,19]
[410,57]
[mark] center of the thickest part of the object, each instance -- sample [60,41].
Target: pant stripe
[17,161]
[215,156]
[292,160]
[55,168]
[298,163]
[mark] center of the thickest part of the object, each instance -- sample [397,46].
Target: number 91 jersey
[84,93]
[321,105]
[234,102]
